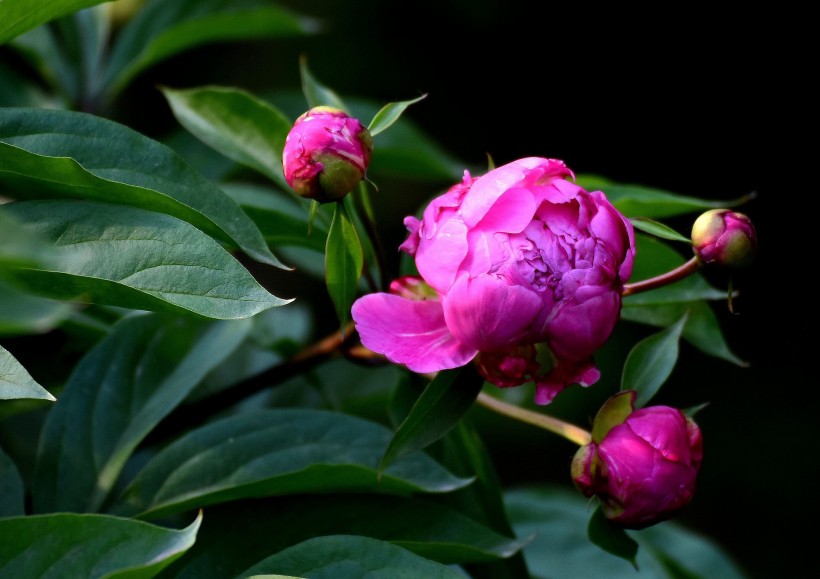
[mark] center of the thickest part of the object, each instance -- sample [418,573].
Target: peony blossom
[724,237]
[642,469]
[510,263]
[326,154]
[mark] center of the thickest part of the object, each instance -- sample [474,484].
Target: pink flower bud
[725,238]
[326,154]
[643,468]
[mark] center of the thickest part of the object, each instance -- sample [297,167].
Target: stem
[569,431]
[676,274]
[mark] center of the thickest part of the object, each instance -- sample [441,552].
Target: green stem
[685,270]
[569,431]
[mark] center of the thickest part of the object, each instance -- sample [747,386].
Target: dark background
[681,99]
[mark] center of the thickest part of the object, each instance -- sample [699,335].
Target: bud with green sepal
[724,237]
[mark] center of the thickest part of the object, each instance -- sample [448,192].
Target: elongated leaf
[658,229]
[128,257]
[651,361]
[316,93]
[162,29]
[389,114]
[88,546]
[141,371]
[351,557]
[237,124]
[612,539]
[11,488]
[16,382]
[18,16]
[443,403]
[50,153]
[276,452]
[344,260]
[561,549]
[235,536]
[46,52]
[22,313]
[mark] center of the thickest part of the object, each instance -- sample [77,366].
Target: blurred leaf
[611,538]
[18,91]
[562,550]
[343,263]
[202,158]
[43,51]
[89,546]
[443,403]
[16,382]
[651,361]
[351,557]
[17,16]
[389,114]
[20,247]
[658,229]
[48,153]
[237,124]
[237,535]
[136,259]
[139,373]
[276,452]
[317,94]
[11,488]
[641,201]
[161,29]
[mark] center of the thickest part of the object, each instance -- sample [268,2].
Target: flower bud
[326,154]
[724,237]
[642,465]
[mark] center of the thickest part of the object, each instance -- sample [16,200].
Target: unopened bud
[724,237]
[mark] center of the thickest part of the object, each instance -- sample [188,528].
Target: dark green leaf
[317,94]
[351,557]
[611,538]
[17,16]
[443,403]
[16,382]
[162,29]
[50,153]
[88,546]
[18,91]
[237,124]
[389,114]
[562,550]
[658,229]
[139,373]
[128,257]
[276,452]
[343,263]
[46,52]
[11,488]
[651,361]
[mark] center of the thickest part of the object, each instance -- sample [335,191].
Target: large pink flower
[517,258]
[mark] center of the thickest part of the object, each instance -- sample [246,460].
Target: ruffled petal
[564,374]
[409,332]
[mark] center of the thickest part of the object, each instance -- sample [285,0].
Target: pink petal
[439,258]
[487,188]
[409,332]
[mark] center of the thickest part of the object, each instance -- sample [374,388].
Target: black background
[679,99]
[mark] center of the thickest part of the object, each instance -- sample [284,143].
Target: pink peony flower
[516,259]
[326,154]
[643,469]
[724,237]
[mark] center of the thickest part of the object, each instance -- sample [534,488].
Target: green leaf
[389,114]
[315,92]
[139,373]
[611,538]
[19,247]
[651,361]
[276,452]
[640,201]
[51,153]
[11,488]
[658,229]
[237,535]
[161,29]
[46,53]
[351,557]
[88,546]
[128,257]
[18,16]
[344,260]
[562,550]
[443,403]
[21,313]
[234,122]
[16,382]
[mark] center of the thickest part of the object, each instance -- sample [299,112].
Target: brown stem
[676,274]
